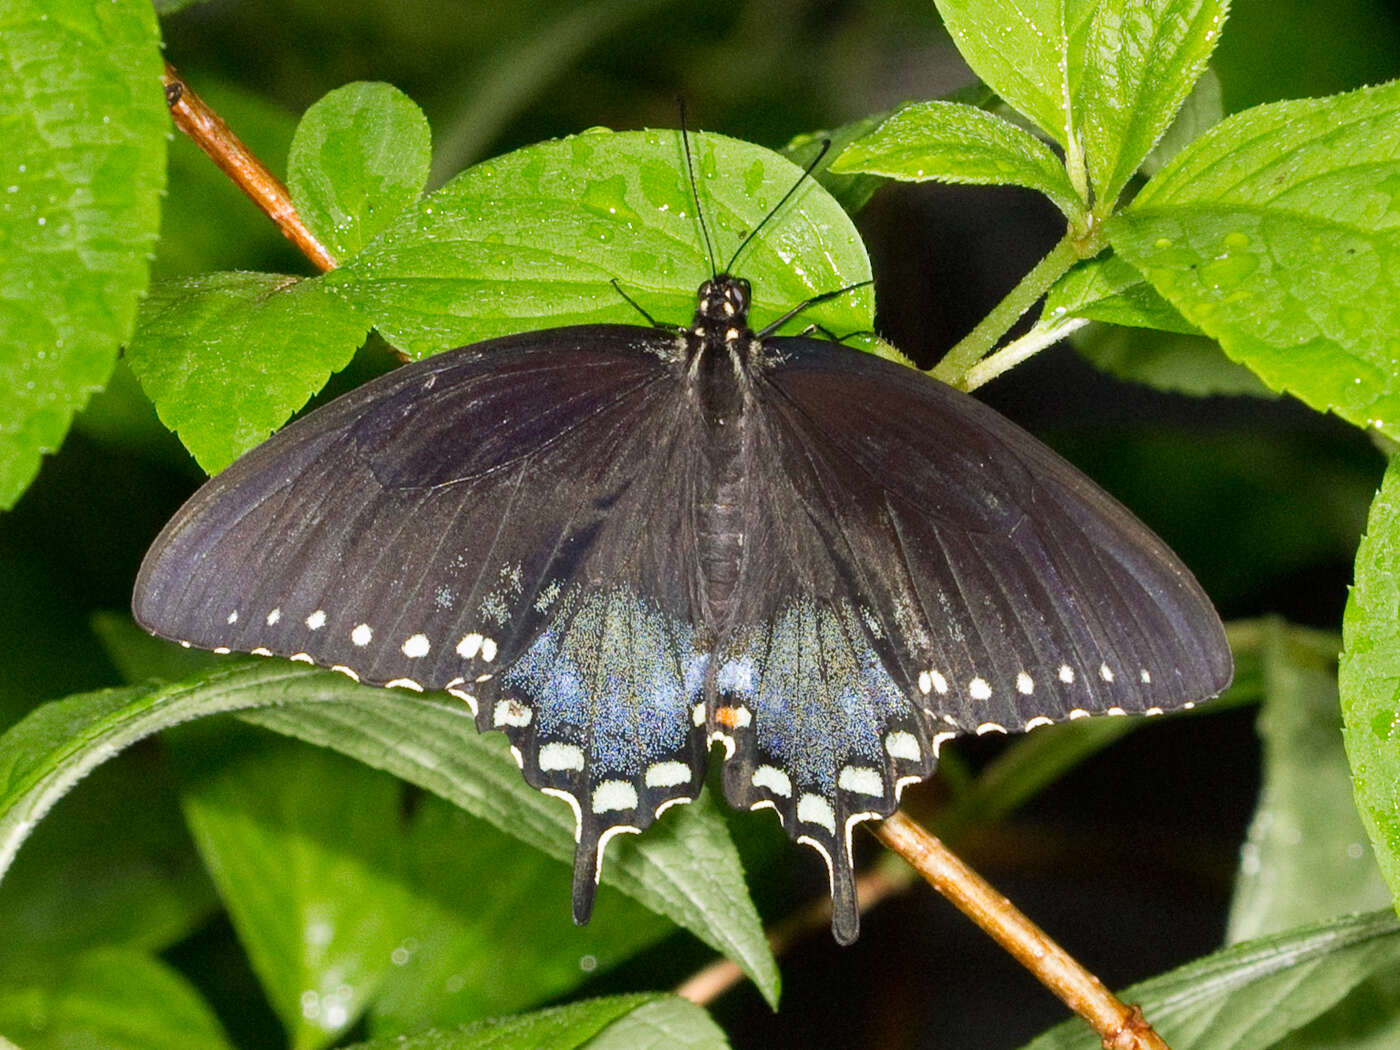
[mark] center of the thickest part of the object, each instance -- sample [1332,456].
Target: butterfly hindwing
[809,704]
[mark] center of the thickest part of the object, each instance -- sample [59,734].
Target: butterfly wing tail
[585,880]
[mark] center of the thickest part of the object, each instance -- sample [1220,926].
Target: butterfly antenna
[807,304]
[806,174]
[695,190]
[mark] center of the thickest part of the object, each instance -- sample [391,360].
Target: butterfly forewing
[1018,590]
[498,522]
[917,567]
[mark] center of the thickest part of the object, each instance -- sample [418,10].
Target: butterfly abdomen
[721,398]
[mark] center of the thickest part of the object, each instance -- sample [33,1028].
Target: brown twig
[1121,1027]
[224,148]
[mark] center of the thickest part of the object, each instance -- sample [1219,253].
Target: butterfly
[626,546]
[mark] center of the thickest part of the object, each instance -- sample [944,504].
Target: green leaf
[684,866]
[1307,857]
[46,754]
[952,142]
[852,191]
[449,971]
[1143,58]
[1278,234]
[1170,361]
[1108,289]
[359,157]
[83,119]
[1369,677]
[87,879]
[1203,109]
[533,239]
[1251,995]
[1367,1019]
[304,846]
[346,901]
[228,357]
[1103,78]
[1030,52]
[624,1022]
[110,999]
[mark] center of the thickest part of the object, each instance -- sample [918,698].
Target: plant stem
[213,136]
[1041,335]
[959,360]
[1120,1026]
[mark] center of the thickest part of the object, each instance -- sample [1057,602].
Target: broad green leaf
[1143,57]
[1369,677]
[1030,52]
[305,847]
[345,902]
[1278,234]
[88,879]
[1367,1019]
[228,357]
[624,1022]
[1249,996]
[360,156]
[46,754]
[1103,78]
[83,120]
[1169,361]
[109,999]
[952,142]
[1307,857]
[445,967]
[1143,339]
[1203,109]
[684,866]
[449,972]
[1108,289]
[533,239]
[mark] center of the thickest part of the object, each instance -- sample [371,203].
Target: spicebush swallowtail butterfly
[623,545]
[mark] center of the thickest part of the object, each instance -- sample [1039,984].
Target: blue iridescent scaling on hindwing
[611,683]
[622,545]
[811,706]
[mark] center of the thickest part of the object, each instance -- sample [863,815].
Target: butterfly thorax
[720,346]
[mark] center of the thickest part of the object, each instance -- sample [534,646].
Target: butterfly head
[723,303]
